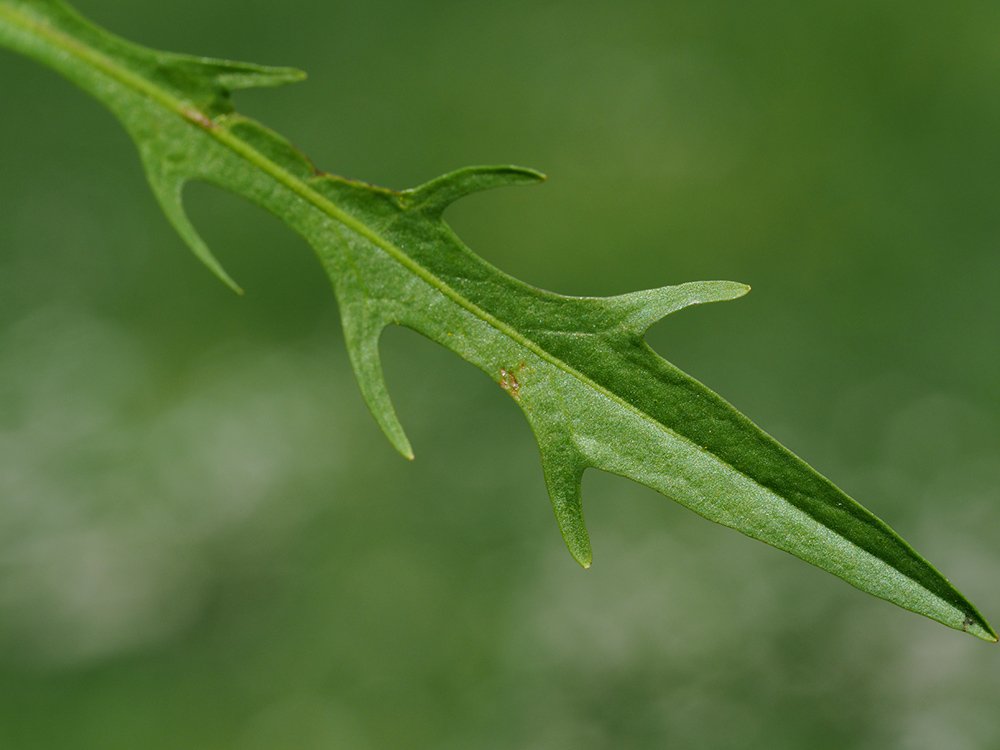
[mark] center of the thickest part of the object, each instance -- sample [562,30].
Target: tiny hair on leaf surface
[594,393]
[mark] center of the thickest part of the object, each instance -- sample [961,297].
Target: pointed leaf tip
[234,75]
[246,75]
[439,193]
[563,468]
[168,189]
[362,328]
[643,309]
[975,624]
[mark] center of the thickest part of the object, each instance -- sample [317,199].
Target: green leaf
[594,393]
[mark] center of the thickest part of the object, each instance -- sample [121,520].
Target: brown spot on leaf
[509,380]
[198,118]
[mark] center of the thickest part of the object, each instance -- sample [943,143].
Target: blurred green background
[205,542]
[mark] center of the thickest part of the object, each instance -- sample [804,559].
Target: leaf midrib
[198,119]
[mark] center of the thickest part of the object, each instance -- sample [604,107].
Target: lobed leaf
[595,395]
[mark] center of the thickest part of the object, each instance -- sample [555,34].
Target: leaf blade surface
[595,395]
